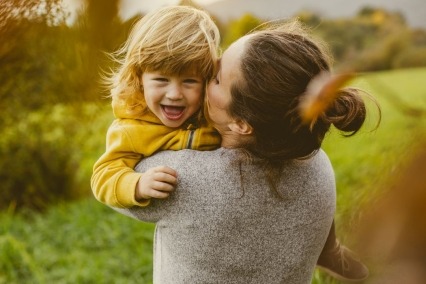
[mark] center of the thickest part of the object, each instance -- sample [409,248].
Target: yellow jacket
[128,141]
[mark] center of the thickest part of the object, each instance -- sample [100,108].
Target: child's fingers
[166,170]
[162,186]
[165,174]
[165,178]
[152,193]
[157,182]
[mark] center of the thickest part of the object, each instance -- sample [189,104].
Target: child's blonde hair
[172,40]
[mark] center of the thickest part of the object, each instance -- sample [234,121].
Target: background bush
[45,156]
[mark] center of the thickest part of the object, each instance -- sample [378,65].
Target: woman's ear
[241,127]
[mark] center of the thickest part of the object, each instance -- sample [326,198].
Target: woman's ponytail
[326,101]
[347,112]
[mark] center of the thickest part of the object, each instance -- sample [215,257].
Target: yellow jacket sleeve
[128,141]
[114,180]
[205,138]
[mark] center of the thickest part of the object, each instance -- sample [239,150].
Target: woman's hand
[156,182]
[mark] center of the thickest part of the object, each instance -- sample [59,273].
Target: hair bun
[320,93]
[348,112]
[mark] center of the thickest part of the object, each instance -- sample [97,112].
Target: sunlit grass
[365,163]
[83,242]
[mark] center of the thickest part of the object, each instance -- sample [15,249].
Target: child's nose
[174,92]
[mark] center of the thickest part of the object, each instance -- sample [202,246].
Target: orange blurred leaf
[320,93]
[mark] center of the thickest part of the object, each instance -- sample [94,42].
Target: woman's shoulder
[189,158]
[317,163]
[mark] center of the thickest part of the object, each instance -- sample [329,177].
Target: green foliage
[44,61]
[346,37]
[373,40]
[47,70]
[100,23]
[16,260]
[30,31]
[383,54]
[239,28]
[410,57]
[42,155]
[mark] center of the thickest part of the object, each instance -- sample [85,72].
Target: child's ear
[241,127]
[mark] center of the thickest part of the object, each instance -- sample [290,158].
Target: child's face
[173,99]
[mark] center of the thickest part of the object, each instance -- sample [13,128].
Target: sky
[414,10]
[131,7]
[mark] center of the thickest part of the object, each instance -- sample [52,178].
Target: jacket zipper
[190,138]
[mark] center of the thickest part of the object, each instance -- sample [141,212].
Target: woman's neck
[233,140]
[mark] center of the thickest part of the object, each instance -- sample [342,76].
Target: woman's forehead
[231,57]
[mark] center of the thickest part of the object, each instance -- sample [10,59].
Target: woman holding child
[260,207]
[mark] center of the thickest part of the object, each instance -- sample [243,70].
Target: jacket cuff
[125,193]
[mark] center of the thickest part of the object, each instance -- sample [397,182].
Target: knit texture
[224,224]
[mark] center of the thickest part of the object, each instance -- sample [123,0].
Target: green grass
[86,242]
[83,242]
[365,162]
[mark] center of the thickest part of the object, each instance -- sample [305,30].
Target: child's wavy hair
[172,40]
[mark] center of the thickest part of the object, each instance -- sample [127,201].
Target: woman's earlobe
[241,127]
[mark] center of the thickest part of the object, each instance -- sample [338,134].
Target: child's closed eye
[191,81]
[160,79]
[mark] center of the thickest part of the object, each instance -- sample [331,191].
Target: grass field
[85,242]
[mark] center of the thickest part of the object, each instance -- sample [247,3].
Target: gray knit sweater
[224,224]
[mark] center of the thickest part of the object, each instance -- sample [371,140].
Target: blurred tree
[25,56]
[309,18]
[188,3]
[101,23]
[46,64]
[48,11]
[380,16]
[238,28]
[99,29]
[375,39]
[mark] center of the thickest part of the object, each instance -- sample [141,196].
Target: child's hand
[156,182]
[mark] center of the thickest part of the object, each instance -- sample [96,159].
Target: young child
[157,93]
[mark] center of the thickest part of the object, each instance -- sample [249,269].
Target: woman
[259,209]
